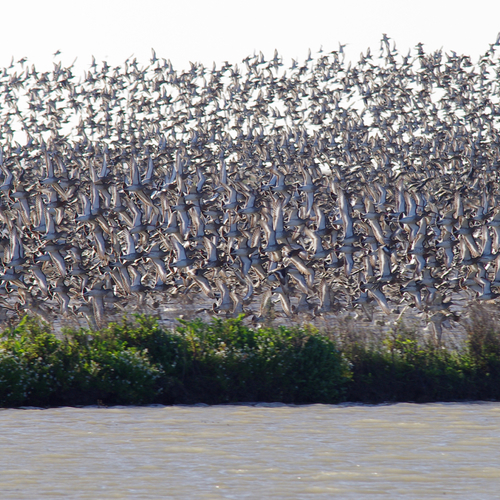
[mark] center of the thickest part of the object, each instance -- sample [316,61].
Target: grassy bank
[224,361]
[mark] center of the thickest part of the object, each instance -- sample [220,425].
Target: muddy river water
[403,451]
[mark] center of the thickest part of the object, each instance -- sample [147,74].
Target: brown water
[263,451]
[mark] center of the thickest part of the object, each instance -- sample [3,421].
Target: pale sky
[218,30]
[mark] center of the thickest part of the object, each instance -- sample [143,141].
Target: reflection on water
[263,451]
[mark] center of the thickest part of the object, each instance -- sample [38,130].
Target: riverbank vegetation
[224,361]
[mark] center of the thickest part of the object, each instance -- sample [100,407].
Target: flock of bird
[323,187]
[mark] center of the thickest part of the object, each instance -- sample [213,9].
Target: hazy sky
[218,30]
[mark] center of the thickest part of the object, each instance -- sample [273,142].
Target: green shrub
[223,361]
[37,368]
[13,380]
[42,366]
[123,376]
[408,368]
[232,363]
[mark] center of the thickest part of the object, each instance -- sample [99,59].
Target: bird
[224,182]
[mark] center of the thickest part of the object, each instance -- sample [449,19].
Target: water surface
[265,451]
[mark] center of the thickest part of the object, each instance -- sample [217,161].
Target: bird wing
[181,252]
[130,243]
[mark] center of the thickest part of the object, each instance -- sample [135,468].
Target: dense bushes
[224,361]
[230,362]
[37,368]
[137,362]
